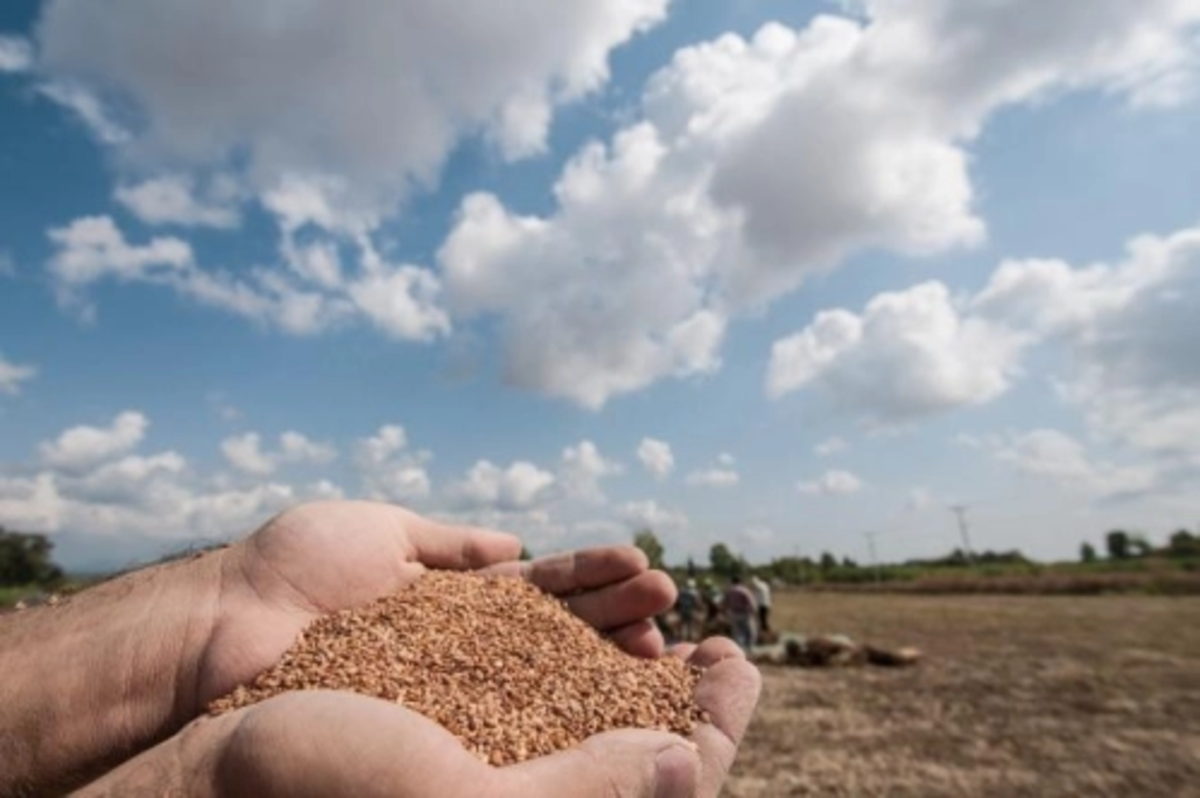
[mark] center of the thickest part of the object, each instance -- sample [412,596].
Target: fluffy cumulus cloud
[757,162]
[96,481]
[309,295]
[245,453]
[831,483]
[321,89]
[83,447]
[909,354]
[521,486]
[1128,329]
[14,375]
[389,469]
[582,469]
[656,457]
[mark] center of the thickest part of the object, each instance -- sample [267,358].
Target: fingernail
[675,772]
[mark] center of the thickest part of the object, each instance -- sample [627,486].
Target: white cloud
[656,457]
[714,478]
[174,199]
[758,162]
[244,452]
[300,89]
[649,515]
[16,54]
[400,300]
[832,483]
[13,376]
[93,483]
[79,100]
[92,248]
[582,469]
[1052,455]
[910,354]
[1129,329]
[830,447]
[83,448]
[521,486]
[390,471]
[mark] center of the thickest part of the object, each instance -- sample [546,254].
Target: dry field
[1039,696]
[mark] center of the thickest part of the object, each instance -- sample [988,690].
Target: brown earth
[1045,696]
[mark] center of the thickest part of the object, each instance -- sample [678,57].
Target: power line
[960,511]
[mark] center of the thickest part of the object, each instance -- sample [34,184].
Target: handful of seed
[507,669]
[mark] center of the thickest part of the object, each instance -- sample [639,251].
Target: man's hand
[326,557]
[322,743]
[123,666]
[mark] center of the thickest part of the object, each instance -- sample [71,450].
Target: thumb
[621,764]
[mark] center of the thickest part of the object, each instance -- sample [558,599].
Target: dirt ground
[1016,696]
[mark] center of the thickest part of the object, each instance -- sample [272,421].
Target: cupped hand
[330,556]
[323,743]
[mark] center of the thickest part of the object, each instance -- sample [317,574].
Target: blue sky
[774,274]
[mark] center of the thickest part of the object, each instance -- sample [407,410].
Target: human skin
[115,670]
[325,743]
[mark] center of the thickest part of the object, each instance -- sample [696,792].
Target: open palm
[331,556]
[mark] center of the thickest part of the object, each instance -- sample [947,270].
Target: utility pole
[960,510]
[870,536]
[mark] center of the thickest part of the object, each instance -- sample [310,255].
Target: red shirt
[739,600]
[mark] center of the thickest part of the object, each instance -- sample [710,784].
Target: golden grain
[504,667]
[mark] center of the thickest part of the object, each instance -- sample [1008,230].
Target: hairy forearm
[105,674]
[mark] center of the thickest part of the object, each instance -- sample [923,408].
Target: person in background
[688,606]
[762,597]
[712,604]
[740,609]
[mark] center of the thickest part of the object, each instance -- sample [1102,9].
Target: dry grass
[1017,696]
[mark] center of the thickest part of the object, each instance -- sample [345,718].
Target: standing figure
[740,609]
[688,606]
[762,597]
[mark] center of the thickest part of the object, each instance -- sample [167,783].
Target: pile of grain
[506,668]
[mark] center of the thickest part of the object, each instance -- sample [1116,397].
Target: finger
[573,571]
[682,650]
[641,639]
[632,763]
[621,603]
[728,690]
[455,547]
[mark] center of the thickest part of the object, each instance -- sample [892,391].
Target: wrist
[108,673]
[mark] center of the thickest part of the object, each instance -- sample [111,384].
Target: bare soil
[1039,696]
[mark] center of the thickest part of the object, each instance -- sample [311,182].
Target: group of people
[743,610]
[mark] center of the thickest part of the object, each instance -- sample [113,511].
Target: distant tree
[25,559]
[723,561]
[1139,546]
[1184,544]
[691,567]
[1117,543]
[828,562]
[526,554]
[648,542]
[848,563]
[1087,553]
